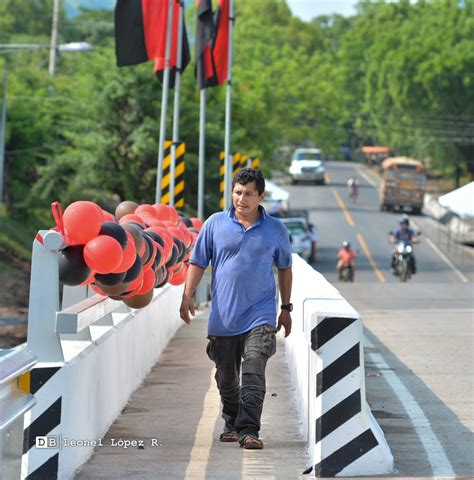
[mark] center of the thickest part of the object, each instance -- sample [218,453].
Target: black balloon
[187,222]
[158,258]
[72,267]
[110,279]
[133,272]
[155,237]
[164,279]
[116,231]
[148,251]
[135,224]
[174,257]
[182,250]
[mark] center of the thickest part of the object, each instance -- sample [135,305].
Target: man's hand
[187,306]
[284,320]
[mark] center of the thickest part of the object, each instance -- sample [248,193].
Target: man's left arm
[285,280]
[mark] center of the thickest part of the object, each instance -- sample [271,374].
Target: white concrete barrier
[325,355]
[85,377]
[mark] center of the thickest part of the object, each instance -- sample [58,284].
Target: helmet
[404,220]
[346,244]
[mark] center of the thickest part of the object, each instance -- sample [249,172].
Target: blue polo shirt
[243,283]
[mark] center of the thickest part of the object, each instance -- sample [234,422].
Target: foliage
[395,73]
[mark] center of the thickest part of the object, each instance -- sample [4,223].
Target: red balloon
[129,255]
[108,217]
[178,277]
[131,217]
[82,221]
[137,283]
[187,237]
[163,212]
[151,221]
[196,223]
[103,254]
[148,282]
[175,218]
[177,232]
[145,209]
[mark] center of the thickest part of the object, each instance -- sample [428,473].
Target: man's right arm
[193,278]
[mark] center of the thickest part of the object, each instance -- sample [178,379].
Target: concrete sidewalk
[176,413]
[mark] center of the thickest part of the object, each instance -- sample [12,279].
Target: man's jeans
[242,403]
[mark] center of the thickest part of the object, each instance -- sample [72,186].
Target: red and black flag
[205,30]
[220,48]
[140,35]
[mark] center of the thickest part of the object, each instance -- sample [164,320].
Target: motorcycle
[402,259]
[404,252]
[347,274]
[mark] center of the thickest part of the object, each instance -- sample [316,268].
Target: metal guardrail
[14,403]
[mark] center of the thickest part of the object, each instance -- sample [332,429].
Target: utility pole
[53,51]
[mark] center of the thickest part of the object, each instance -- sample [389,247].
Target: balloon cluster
[127,255]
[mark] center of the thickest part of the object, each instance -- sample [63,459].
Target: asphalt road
[419,353]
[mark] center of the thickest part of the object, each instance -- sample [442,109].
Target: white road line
[443,257]
[463,278]
[367,178]
[439,462]
[203,439]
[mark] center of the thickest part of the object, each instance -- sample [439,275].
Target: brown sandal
[250,442]
[231,436]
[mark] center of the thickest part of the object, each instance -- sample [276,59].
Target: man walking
[242,245]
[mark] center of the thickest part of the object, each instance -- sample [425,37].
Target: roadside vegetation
[397,74]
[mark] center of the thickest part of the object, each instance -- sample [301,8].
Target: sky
[308,9]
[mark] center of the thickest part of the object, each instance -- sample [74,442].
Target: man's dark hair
[249,175]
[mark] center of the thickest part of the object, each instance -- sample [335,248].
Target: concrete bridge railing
[326,356]
[93,352]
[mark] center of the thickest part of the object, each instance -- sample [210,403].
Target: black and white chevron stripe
[49,407]
[340,441]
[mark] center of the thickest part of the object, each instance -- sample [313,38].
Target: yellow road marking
[346,213]
[364,246]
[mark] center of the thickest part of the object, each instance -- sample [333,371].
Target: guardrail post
[13,405]
[44,297]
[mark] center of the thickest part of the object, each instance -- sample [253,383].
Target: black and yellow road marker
[178,175]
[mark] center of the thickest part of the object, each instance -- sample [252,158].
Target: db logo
[50,441]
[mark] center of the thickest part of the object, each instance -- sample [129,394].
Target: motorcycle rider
[404,234]
[346,257]
[353,185]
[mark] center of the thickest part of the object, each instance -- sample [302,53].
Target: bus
[403,184]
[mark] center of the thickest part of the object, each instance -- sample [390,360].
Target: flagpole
[228,162]
[202,149]
[164,102]
[177,92]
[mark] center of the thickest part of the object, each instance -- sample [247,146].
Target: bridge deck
[178,406]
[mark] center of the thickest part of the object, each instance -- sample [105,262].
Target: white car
[307,165]
[276,198]
[300,235]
